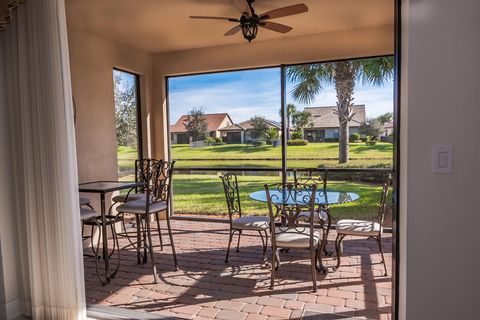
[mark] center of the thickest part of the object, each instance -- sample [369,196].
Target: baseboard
[14,310]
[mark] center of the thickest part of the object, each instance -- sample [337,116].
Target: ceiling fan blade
[277,27]
[232,31]
[285,11]
[215,18]
[242,6]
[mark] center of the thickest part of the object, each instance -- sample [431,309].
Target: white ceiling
[163,25]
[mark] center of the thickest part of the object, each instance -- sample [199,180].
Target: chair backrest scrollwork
[143,170]
[157,175]
[161,180]
[232,196]
[311,176]
[285,204]
[382,209]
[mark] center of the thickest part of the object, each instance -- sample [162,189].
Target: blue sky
[244,94]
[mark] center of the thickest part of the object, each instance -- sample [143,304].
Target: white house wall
[440,215]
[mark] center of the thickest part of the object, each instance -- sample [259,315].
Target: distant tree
[291,110]
[371,128]
[302,120]
[385,118]
[259,127]
[310,79]
[296,135]
[196,124]
[125,111]
[272,134]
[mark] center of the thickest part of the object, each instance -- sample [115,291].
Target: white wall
[440,215]
[9,303]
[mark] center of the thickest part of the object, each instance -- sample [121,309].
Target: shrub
[359,176]
[331,139]
[371,141]
[296,135]
[258,143]
[354,137]
[211,141]
[297,142]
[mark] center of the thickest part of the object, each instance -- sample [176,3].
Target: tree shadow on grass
[240,149]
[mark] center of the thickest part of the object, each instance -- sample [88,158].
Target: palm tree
[291,110]
[310,79]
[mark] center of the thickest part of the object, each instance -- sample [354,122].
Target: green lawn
[126,158]
[203,194]
[312,150]
[312,155]
[235,155]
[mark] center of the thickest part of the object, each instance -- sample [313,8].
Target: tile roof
[246,125]
[324,117]
[214,121]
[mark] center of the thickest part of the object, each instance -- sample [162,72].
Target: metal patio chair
[322,216]
[369,229]
[157,200]
[240,223]
[89,217]
[286,202]
[142,168]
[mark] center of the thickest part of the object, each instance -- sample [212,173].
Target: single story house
[178,131]
[325,123]
[387,129]
[241,132]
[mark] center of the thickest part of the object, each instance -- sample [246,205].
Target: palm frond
[376,70]
[308,79]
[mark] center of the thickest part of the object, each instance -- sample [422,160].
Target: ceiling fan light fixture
[249,30]
[249,21]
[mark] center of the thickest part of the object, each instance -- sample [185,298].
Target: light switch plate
[442,159]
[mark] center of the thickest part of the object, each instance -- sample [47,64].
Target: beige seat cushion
[84,201]
[251,223]
[139,207]
[358,227]
[86,214]
[295,239]
[317,216]
[131,197]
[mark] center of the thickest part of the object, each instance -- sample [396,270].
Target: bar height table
[102,188]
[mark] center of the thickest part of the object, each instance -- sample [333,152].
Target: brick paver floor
[207,288]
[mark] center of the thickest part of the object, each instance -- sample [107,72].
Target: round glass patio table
[322,197]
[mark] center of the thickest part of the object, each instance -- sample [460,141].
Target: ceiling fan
[249,21]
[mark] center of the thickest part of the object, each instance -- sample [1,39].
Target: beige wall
[312,48]
[92,59]
[440,214]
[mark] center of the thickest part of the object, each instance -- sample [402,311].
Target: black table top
[107,186]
